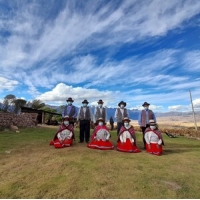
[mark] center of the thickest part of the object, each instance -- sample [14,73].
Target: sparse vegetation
[30,168]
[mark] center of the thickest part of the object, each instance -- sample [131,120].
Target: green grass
[30,168]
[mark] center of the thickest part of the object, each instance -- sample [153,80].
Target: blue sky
[135,51]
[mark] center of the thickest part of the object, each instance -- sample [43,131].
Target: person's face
[66,122]
[69,102]
[121,105]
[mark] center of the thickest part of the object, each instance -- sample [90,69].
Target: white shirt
[102,134]
[151,137]
[125,135]
[65,134]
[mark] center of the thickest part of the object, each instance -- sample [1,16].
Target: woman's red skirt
[155,149]
[103,145]
[128,146]
[58,144]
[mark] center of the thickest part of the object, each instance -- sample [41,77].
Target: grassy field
[30,168]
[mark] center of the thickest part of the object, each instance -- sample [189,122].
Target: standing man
[120,113]
[111,123]
[100,112]
[70,110]
[143,119]
[84,117]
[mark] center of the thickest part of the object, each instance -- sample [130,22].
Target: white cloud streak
[43,51]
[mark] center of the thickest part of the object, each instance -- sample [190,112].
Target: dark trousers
[84,130]
[119,125]
[143,132]
[72,123]
[112,126]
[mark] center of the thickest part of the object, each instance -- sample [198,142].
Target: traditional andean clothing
[127,140]
[155,140]
[64,137]
[100,139]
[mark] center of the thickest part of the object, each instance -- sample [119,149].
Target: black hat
[70,99]
[100,101]
[85,101]
[145,104]
[122,102]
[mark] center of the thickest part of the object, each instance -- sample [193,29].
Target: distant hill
[134,113]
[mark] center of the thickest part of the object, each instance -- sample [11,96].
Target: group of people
[100,139]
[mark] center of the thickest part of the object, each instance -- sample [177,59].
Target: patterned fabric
[100,139]
[127,141]
[64,137]
[144,119]
[157,132]
[120,117]
[87,114]
[98,114]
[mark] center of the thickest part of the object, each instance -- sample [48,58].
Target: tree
[18,103]
[37,104]
[8,102]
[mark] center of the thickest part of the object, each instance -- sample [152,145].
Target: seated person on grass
[154,139]
[65,135]
[126,139]
[100,137]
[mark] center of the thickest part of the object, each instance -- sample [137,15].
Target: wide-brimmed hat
[100,120]
[66,117]
[100,101]
[122,102]
[152,122]
[85,101]
[70,99]
[145,104]
[126,119]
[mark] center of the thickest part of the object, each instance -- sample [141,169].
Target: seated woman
[100,137]
[154,139]
[126,139]
[65,135]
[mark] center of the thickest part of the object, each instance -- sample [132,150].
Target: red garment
[97,128]
[65,143]
[128,146]
[103,145]
[155,149]
[157,132]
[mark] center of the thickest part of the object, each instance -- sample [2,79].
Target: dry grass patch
[33,169]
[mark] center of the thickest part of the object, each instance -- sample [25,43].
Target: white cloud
[192,61]
[151,107]
[34,39]
[7,84]
[42,51]
[196,103]
[61,92]
[179,108]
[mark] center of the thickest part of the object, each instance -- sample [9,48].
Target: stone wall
[22,120]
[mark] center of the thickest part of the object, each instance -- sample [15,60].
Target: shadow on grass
[180,148]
